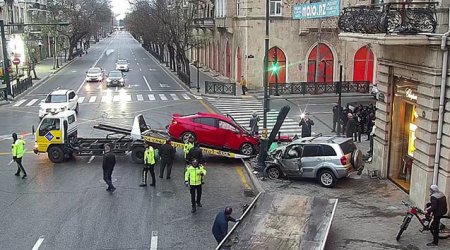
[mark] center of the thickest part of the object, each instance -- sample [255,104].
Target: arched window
[277,66]
[363,66]
[325,65]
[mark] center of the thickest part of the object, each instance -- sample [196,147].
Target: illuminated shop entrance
[403,130]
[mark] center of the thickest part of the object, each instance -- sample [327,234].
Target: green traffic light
[275,68]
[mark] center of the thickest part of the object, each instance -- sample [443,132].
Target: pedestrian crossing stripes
[242,110]
[118,98]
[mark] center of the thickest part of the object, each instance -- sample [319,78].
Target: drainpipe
[441,102]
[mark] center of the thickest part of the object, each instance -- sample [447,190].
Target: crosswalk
[117,98]
[242,110]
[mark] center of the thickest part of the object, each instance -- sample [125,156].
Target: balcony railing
[206,22]
[401,18]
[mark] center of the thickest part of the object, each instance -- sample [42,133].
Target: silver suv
[325,158]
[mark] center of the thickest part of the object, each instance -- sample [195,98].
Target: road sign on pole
[16,61]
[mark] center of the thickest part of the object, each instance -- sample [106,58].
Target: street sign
[16,61]
[327,8]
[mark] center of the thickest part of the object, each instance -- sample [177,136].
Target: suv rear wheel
[357,159]
[327,178]
[273,172]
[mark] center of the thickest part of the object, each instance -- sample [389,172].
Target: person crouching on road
[109,161]
[193,177]
[220,226]
[167,153]
[18,151]
[149,165]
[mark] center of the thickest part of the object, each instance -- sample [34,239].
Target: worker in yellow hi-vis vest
[149,165]
[18,151]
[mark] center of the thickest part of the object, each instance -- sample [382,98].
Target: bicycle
[444,227]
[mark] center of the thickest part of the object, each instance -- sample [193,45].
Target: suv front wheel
[327,178]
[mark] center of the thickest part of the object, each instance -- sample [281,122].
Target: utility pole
[339,90]
[5,60]
[263,144]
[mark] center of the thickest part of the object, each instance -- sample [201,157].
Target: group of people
[354,122]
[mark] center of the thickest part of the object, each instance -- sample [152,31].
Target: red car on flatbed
[213,130]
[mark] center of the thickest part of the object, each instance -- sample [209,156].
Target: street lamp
[40,50]
[198,70]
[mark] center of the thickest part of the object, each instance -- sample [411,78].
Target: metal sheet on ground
[283,221]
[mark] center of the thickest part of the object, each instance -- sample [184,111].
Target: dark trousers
[435,228]
[107,178]
[335,122]
[244,88]
[165,163]
[371,145]
[20,167]
[145,171]
[195,200]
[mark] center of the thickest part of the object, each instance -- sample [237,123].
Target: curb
[253,178]
[311,96]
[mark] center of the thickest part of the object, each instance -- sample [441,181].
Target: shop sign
[410,94]
[327,8]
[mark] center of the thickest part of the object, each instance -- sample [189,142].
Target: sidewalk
[44,69]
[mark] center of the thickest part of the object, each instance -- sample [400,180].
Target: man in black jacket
[195,153]
[306,125]
[437,208]
[109,160]
[167,154]
[350,127]
[337,112]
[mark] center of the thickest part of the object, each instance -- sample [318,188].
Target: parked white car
[94,75]
[122,65]
[59,100]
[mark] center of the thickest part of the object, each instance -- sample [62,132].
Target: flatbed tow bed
[282,221]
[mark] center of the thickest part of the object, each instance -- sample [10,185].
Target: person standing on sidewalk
[350,126]
[167,154]
[437,208]
[337,112]
[243,85]
[109,161]
[193,177]
[149,165]
[18,151]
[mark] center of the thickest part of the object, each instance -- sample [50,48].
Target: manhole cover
[166,194]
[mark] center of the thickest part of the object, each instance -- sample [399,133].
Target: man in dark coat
[254,130]
[337,111]
[109,160]
[437,208]
[195,153]
[167,154]
[351,126]
[306,124]
[220,226]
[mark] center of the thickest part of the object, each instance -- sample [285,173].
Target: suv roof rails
[332,139]
[315,137]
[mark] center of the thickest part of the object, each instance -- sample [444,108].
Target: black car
[115,78]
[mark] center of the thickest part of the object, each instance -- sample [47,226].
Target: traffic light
[275,68]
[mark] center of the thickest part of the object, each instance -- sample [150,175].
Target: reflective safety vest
[187,147]
[18,148]
[149,156]
[194,175]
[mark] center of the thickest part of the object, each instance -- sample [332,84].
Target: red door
[326,64]
[238,66]
[277,66]
[228,61]
[363,65]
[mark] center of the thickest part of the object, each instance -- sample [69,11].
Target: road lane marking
[137,64]
[95,63]
[146,82]
[163,97]
[140,69]
[91,159]
[99,86]
[164,85]
[93,98]
[19,102]
[185,96]
[241,174]
[32,102]
[151,97]
[117,89]
[81,99]
[174,97]
[116,98]
[38,243]
[106,98]
[154,241]
[198,97]
[140,97]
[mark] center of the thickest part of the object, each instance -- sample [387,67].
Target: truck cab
[54,132]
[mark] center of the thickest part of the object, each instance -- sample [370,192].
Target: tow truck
[57,135]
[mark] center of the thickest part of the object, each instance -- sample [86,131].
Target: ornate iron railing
[220,88]
[21,85]
[205,22]
[317,88]
[401,18]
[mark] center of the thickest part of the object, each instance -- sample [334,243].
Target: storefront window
[402,145]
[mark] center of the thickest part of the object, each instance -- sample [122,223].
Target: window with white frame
[221,8]
[238,7]
[275,8]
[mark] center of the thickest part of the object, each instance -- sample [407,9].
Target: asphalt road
[65,206]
